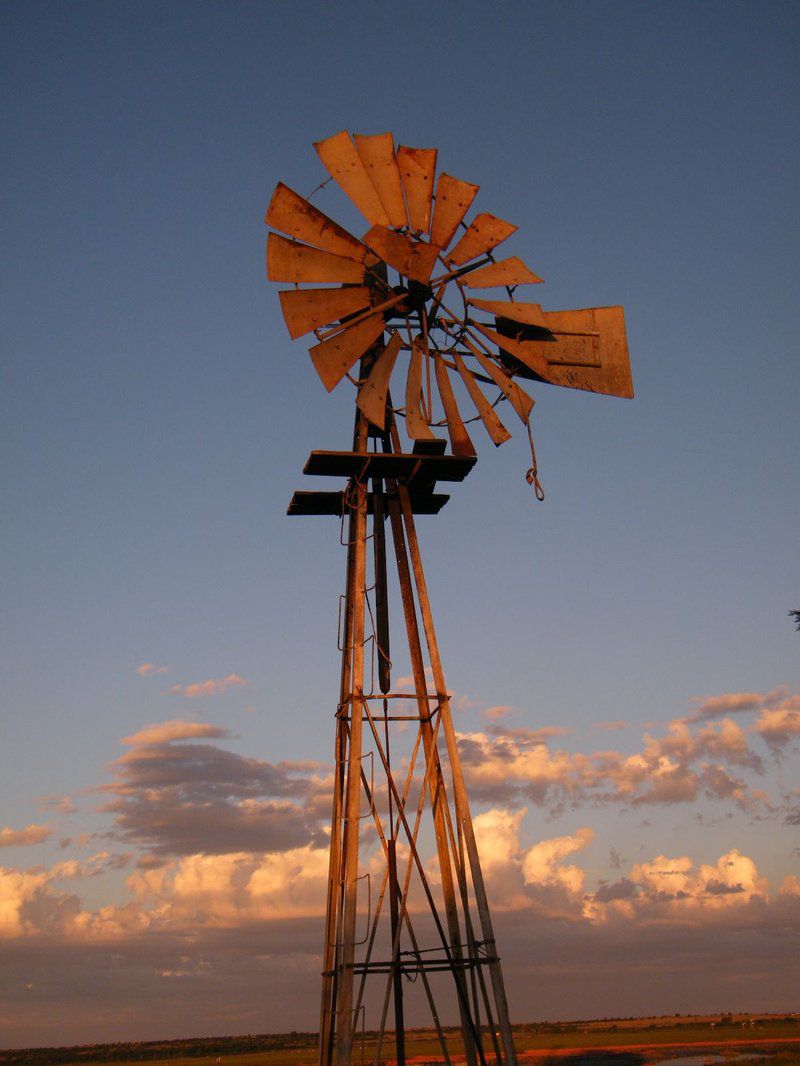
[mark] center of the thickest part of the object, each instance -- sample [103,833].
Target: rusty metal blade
[533,359]
[416,426]
[453,199]
[289,261]
[377,155]
[508,272]
[413,259]
[494,427]
[289,213]
[307,309]
[334,357]
[372,393]
[517,397]
[459,438]
[483,233]
[344,164]
[528,314]
[589,351]
[417,171]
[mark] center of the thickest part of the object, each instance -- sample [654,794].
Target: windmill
[407,300]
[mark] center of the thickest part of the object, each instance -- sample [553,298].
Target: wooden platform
[419,470]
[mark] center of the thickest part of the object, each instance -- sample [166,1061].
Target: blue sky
[157,417]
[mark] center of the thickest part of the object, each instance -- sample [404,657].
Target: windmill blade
[307,309]
[289,213]
[289,261]
[517,397]
[459,438]
[589,351]
[532,359]
[453,200]
[344,164]
[413,259]
[506,272]
[333,358]
[372,393]
[484,233]
[528,314]
[417,171]
[494,427]
[416,426]
[377,155]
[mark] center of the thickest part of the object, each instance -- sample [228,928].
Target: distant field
[616,1042]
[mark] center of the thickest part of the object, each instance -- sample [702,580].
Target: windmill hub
[415,297]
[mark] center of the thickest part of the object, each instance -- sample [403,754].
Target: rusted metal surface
[413,259]
[484,233]
[529,314]
[453,200]
[289,261]
[589,351]
[416,423]
[371,399]
[289,213]
[378,156]
[516,396]
[308,309]
[494,427]
[342,161]
[334,357]
[417,172]
[505,272]
[532,359]
[459,437]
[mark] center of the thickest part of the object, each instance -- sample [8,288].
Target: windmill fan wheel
[404,293]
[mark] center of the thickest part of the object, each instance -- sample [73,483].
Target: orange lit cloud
[31,834]
[678,767]
[210,687]
[174,729]
[148,669]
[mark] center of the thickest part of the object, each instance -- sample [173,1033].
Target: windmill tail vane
[408,928]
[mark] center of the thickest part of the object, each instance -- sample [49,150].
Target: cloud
[210,687]
[174,796]
[688,762]
[62,804]
[727,703]
[780,725]
[491,714]
[543,866]
[31,834]
[611,727]
[148,669]
[174,729]
[622,889]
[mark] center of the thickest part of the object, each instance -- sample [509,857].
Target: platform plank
[331,503]
[402,466]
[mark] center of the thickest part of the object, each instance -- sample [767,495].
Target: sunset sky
[626,676]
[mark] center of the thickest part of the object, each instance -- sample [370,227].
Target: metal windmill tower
[405,294]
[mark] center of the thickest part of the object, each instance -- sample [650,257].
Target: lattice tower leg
[460,880]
